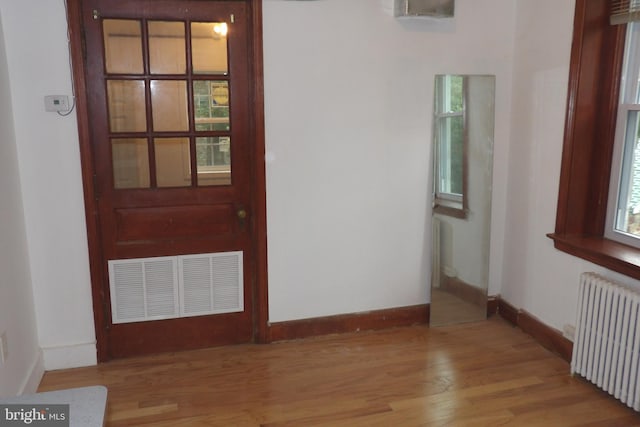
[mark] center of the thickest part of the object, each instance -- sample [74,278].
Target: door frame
[259,285]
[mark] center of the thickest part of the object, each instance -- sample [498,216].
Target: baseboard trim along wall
[70,356]
[548,337]
[507,311]
[354,322]
[492,305]
[32,381]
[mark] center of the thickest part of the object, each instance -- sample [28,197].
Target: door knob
[242,214]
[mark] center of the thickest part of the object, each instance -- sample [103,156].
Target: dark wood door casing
[257,220]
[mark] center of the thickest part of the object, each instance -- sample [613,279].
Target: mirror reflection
[463,127]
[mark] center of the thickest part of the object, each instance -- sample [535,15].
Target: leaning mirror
[463,126]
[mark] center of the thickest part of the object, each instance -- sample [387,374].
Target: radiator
[436,253]
[606,348]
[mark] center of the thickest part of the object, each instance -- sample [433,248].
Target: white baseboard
[31,383]
[70,356]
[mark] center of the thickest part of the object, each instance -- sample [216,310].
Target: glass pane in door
[167,51]
[173,163]
[130,159]
[213,155]
[122,46]
[127,108]
[209,47]
[169,105]
[211,105]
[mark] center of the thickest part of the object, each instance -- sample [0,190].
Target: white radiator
[606,349]
[436,252]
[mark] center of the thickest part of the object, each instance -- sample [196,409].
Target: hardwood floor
[475,374]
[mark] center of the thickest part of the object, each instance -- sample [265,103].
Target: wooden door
[170,127]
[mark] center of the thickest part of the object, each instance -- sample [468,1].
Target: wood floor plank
[476,374]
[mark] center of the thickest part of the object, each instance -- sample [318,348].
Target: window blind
[624,11]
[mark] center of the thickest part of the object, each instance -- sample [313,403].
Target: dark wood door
[168,103]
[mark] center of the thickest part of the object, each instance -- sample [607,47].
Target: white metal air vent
[169,287]
[211,283]
[143,289]
[424,8]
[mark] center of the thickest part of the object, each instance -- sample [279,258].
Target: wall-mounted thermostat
[56,103]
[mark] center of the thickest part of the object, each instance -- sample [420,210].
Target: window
[623,213]
[211,102]
[213,153]
[594,76]
[449,128]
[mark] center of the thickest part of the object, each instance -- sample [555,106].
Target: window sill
[604,252]
[450,211]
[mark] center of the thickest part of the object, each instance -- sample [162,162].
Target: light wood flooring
[475,374]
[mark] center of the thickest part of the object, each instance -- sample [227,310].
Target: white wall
[537,277]
[348,107]
[48,156]
[349,94]
[23,368]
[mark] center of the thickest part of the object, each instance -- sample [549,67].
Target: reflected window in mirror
[450,143]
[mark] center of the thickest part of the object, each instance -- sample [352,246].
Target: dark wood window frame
[596,62]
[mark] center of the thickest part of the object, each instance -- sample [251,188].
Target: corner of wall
[32,381]
[23,367]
